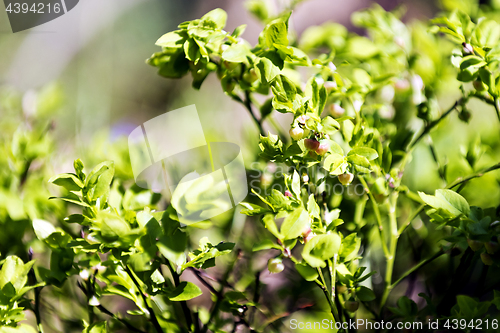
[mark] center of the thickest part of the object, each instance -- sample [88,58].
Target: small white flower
[357,105]
[94,301]
[99,268]
[329,85]
[84,274]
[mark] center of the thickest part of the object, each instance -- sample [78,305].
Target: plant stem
[185,309]
[377,216]
[220,294]
[109,313]
[394,236]
[448,300]
[458,181]
[333,307]
[497,108]
[332,269]
[124,322]
[202,280]
[247,103]
[152,314]
[478,174]
[433,124]
[416,267]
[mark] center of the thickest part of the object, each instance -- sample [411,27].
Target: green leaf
[203,257]
[333,162]
[173,246]
[99,327]
[239,31]
[14,271]
[369,153]
[472,61]
[67,180]
[43,229]
[365,294]
[252,210]
[276,34]
[270,225]
[236,53]
[347,129]
[359,160]
[312,207]
[265,244]
[447,200]
[296,183]
[295,223]
[184,292]
[173,39]
[350,247]
[266,70]
[406,307]
[321,248]
[192,50]
[306,271]
[330,125]
[218,16]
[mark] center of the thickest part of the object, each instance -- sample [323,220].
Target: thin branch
[256,297]
[377,216]
[459,181]
[152,314]
[497,108]
[109,313]
[416,267]
[220,294]
[433,124]
[203,281]
[248,105]
[184,307]
[478,174]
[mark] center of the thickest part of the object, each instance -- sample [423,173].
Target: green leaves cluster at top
[479,55]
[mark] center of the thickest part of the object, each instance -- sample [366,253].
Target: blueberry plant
[348,232]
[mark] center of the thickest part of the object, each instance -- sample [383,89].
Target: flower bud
[84,274]
[467,48]
[330,85]
[486,259]
[288,194]
[311,144]
[402,85]
[275,265]
[479,86]
[296,133]
[251,76]
[491,247]
[93,301]
[475,245]
[399,41]
[340,288]
[323,148]
[346,178]
[100,268]
[302,119]
[351,306]
[230,65]
[336,110]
